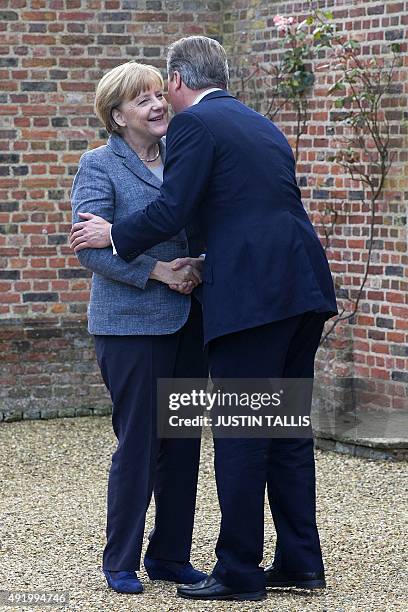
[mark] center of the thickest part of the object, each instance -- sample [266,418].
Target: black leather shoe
[302,580]
[211,589]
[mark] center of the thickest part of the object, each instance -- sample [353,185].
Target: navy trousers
[142,463]
[245,467]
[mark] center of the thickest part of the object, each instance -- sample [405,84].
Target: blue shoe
[172,571]
[123,582]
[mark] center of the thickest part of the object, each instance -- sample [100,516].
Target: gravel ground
[52,509]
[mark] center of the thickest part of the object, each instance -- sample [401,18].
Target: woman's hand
[196,262]
[181,274]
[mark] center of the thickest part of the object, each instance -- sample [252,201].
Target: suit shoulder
[95,156]
[188,115]
[187,121]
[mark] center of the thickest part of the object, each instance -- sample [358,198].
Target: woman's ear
[118,118]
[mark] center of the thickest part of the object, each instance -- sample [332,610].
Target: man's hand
[181,274]
[196,263]
[93,233]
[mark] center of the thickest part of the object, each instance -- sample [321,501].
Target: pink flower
[282,23]
[278,20]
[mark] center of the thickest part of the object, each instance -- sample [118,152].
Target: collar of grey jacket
[131,160]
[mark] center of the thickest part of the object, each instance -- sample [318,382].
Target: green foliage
[301,46]
[360,86]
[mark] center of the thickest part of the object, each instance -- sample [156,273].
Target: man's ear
[178,81]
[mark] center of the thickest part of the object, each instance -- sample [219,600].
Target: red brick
[38,39]
[11,298]
[378,373]
[399,312]
[76,16]
[76,86]
[377,347]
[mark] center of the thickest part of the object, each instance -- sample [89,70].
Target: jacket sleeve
[93,192]
[189,162]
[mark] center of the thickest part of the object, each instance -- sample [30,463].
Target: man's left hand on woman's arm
[92,233]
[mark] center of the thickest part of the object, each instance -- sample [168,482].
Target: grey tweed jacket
[112,182]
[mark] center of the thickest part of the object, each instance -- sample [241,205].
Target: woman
[146,326]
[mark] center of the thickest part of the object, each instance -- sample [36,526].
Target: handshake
[182,274]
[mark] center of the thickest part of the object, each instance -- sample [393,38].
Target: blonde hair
[120,84]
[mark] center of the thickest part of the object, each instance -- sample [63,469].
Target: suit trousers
[142,462]
[285,466]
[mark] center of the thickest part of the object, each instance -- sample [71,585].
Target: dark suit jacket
[232,170]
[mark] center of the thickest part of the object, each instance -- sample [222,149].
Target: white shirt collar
[205,93]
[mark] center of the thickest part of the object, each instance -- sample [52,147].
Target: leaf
[308,79]
[328,15]
[309,20]
[338,86]
[396,48]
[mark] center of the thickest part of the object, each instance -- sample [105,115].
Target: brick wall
[52,53]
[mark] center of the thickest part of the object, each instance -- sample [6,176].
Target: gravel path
[52,521]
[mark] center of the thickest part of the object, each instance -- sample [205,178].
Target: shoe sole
[125,592]
[305,584]
[237,597]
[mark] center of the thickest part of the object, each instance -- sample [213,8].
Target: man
[266,293]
